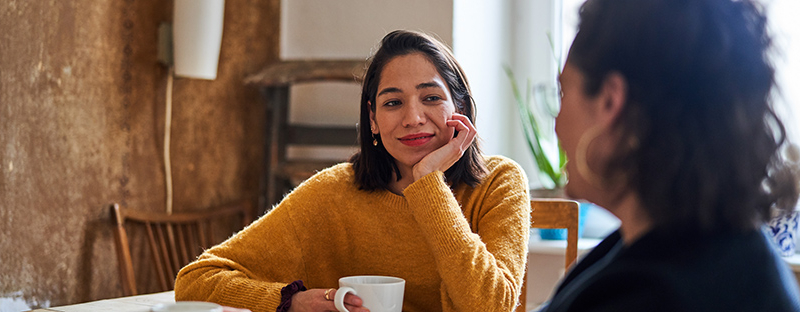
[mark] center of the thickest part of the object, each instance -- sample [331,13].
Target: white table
[141,303]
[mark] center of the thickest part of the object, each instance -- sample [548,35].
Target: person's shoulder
[503,175]
[337,177]
[331,182]
[340,170]
[638,286]
[627,288]
[502,166]
[500,162]
[709,273]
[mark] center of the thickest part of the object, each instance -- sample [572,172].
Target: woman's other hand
[447,155]
[313,300]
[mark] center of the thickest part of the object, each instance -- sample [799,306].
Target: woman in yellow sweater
[418,202]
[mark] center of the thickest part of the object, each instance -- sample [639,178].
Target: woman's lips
[416,139]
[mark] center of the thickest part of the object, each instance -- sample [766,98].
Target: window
[786,35]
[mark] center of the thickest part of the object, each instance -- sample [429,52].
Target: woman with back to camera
[666,120]
[418,202]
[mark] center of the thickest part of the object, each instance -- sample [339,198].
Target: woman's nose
[414,115]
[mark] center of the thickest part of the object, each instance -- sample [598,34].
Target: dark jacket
[673,271]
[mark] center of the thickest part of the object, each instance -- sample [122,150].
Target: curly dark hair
[373,165]
[699,83]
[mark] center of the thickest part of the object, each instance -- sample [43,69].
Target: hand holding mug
[378,293]
[316,300]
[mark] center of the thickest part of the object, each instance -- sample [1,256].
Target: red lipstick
[416,139]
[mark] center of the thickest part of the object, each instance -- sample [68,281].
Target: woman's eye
[392,103]
[433,98]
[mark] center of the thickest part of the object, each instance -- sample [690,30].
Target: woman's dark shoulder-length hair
[698,104]
[373,165]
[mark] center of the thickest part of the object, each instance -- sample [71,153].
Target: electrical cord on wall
[167,135]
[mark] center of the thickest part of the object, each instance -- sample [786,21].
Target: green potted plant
[537,107]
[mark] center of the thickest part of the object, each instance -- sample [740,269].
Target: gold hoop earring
[580,158]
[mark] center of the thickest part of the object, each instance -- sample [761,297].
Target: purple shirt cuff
[287,293]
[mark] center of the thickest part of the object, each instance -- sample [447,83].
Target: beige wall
[81,126]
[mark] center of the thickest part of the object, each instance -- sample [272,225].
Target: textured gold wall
[81,126]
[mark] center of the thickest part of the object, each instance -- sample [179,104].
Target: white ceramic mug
[379,293]
[187,306]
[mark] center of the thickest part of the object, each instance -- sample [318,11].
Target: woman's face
[574,119]
[411,107]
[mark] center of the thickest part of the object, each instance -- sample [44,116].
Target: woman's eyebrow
[430,84]
[389,90]
[424,85]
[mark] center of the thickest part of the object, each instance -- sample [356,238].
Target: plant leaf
[533,133]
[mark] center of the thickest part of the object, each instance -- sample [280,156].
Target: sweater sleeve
[249,269]
[481,267]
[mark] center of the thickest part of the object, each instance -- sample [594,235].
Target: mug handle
[338,300]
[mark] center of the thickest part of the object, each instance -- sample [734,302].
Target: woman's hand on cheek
[447,155]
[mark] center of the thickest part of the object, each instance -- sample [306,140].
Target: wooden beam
[284,73]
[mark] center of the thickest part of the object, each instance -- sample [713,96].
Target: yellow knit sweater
[457,253]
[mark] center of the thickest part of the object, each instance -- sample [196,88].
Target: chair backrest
[283,173]
[552,213]
[173,240]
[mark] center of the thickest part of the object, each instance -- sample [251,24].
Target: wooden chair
[173,240]
[275,82]
[554,214]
